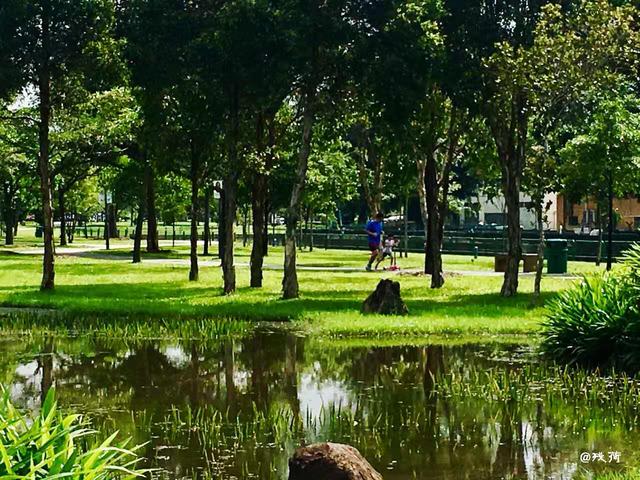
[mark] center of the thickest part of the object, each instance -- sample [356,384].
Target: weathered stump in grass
[385,300]
[330,461]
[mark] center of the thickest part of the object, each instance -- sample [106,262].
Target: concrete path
[96,252]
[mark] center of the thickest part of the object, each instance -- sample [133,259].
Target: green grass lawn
[329,303]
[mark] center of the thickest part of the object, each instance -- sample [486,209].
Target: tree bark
[230,199]
[8,215]
[330,461]
[194,174]
[63,221]
[107,233]
[245,221]
[112,219]
[221,223]
[137,238]
[258,203]
[600,236]
[290,287]
[540,263]
[611,223]
[310,217]
[71,232]
[405,218]
[152,219]
[433,252]
[510,138]
[44,86]
[230,212]
[422,196]
[511,182]
[207,221]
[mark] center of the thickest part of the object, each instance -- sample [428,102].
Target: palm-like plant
[597,322]
[52,445]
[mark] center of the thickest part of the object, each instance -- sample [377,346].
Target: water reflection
[238,408]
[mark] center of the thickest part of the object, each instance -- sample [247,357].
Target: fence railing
[581,247]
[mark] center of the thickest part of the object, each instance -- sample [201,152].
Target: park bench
[530,260]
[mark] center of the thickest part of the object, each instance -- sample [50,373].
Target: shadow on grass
[171,299]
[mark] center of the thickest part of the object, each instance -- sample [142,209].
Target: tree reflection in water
[236,408]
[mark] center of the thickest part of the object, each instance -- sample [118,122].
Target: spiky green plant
[52,445]
[597,322]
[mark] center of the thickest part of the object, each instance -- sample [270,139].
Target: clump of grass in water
[51,445]
[134,326]
[572,401]
[597,322]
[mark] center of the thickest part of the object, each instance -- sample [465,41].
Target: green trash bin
[39,231]
[557,254]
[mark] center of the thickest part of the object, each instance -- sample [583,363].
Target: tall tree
[47,42]
[322,32]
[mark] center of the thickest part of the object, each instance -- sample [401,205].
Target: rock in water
[386,300]
[330,461]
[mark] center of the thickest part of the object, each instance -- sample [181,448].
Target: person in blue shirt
[374,233]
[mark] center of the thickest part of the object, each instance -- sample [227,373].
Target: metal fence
[581,247]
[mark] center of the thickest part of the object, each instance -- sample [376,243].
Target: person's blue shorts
[374,247]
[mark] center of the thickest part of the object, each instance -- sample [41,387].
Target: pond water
[237,408]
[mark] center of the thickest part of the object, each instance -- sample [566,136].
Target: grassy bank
[105,286]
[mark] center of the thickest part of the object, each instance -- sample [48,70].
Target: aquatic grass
[120,326]
[479,406]
[52,446]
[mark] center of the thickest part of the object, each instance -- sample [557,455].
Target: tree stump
[385,300]
[330,461]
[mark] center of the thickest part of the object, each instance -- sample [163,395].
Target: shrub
[52,445]
[597,322]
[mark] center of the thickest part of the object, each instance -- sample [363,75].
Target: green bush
[597,322]
[52,446]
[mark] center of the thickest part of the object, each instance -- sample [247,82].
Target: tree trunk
[405,218]
[71,232]
[369,161]
[433,252]
[9,238]
[8,215]
[107,233]
[245,221]
[230,212]
[112,219]
[230,200]
[207,221]
[422,196]
[600,235]
[137,237]
[611,224]
[221,216]
[330,461]
[63,221]
[444,182]
[310,216]
[510,138]
[44,85]
[194,174]
[540,264]
[258,203]
[152,220]
[290,287]
[511,184]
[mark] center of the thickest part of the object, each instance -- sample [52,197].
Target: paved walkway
[96,252]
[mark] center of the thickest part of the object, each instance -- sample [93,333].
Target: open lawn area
[333,284]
